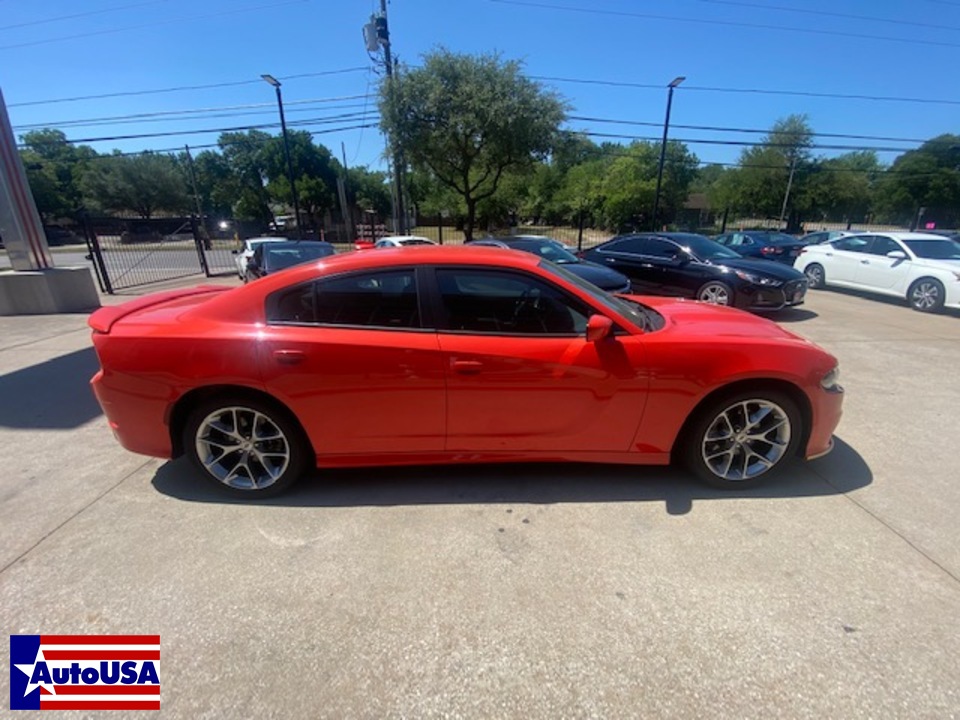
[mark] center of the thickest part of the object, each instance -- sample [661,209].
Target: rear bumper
[137,417]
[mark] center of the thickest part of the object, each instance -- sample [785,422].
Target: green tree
[928,177]
[54,167]
[841,188]
[760,182]
[314,169]
[467,120]
[244,154]
[629,185]
[368,191]
[144,184]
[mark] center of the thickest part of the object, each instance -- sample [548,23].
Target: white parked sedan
[402,241]
[921,267]
[249,245]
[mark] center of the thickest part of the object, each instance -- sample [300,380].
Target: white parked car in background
[402,241]
[246,252]
[921,267]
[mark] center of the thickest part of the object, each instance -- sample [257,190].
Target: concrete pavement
[536,591]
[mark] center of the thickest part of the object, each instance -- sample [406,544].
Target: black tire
[926,295]
[816,276]
[716,293]
[704,450]
[252,468]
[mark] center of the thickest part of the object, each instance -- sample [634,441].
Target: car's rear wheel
[245,446]
[740,439]
[926,295]
[716,292]
[816,277]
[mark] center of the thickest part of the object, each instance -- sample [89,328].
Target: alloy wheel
[746,439]
[242,448]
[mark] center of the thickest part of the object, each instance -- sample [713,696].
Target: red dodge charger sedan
[454,355]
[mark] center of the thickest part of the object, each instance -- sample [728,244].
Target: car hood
[698,319]
[603,277]
[778,270]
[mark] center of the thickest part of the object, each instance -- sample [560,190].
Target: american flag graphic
[84,672]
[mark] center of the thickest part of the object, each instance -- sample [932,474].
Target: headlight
[757,279]
[831,381]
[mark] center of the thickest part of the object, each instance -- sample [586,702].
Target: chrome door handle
[288,357]
[466,367]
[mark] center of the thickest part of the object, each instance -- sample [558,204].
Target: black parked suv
[689,265]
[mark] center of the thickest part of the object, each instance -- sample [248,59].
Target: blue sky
[740,44]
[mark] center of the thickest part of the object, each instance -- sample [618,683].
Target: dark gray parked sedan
[603,277]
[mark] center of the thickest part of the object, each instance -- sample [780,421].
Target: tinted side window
[882,245]
[381,299]
[505,303]
[854,243]
[633,245]
[661,249]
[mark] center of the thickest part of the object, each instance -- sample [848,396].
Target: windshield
[640,315]
[935,249]
[415,241]
[546,249]
[703,247]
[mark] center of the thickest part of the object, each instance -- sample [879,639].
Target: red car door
[521,375]
[349,357]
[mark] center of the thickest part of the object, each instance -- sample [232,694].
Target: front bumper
[776,298]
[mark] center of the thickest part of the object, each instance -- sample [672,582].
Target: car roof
[404,237]
[267,239]
[899,235]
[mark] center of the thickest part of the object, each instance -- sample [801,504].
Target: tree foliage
[143,184]
[467,120]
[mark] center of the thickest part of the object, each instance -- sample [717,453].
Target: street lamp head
[677,81]
[272,80]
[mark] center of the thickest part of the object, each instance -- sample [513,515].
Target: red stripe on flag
[101,654]
[107,689]
[99,639]
[101,705]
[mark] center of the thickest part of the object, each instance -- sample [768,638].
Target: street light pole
[663,146]
[286,151]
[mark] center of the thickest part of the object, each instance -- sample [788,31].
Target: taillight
[770,250]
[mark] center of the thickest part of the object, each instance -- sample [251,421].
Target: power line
[166,114]
[80,15]
[715,128]
[239,128]
[182,88]
[154,24]
[759,91]
[827,13]
[741,143]
[726,23]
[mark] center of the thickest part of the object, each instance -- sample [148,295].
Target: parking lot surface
[527,591]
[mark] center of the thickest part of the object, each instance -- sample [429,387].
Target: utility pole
[786,195]
[193,182]
[377,35]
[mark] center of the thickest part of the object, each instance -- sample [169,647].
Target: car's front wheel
[926,295]
[716,292]
[740,439]
[816,277]
[245,446]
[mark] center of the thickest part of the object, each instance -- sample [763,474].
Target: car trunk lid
[106,317]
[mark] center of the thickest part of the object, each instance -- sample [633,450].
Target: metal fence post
[198,242]
[440,228]
[580,231]
[99,268]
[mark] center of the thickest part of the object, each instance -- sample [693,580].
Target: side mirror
[234,252]
[598,327]
[897,255]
